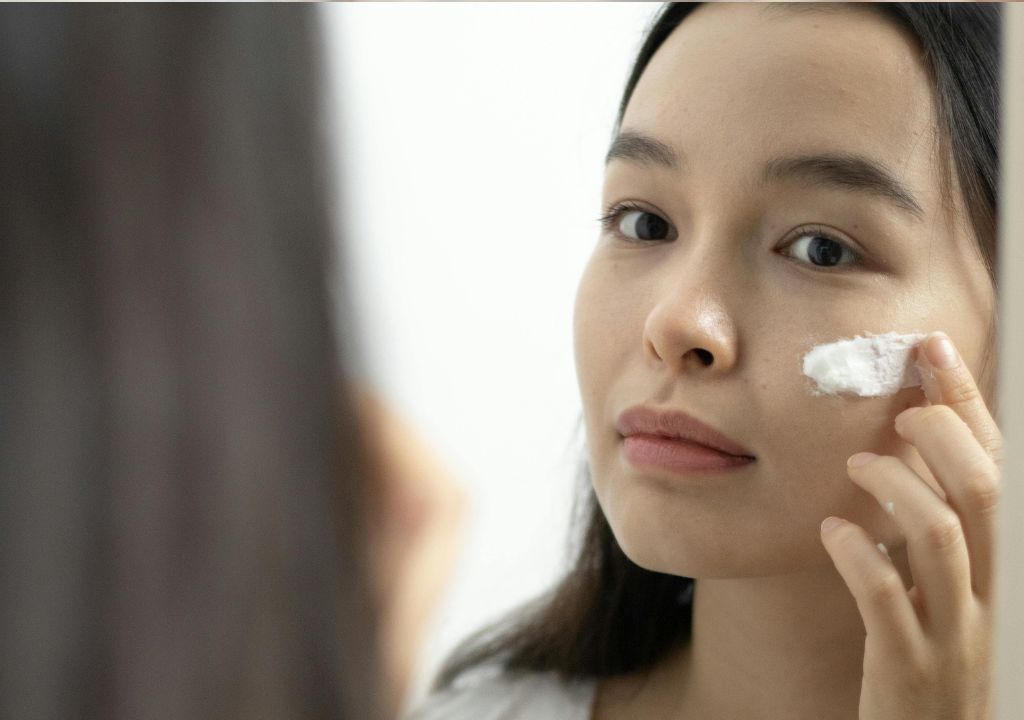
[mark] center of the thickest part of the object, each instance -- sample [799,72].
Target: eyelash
[613,213]
[609,223]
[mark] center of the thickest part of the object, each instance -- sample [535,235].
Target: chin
[646,544]
[694,553]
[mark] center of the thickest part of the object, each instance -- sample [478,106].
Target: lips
[643,420]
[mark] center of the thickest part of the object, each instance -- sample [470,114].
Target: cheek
[603,332]
[811,432]
[815,437]
[582,328]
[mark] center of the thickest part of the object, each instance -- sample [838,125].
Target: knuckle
[944,531]
[962,389]
[918,679]
[983,486]
[926,671]
[994,445]
[885,589]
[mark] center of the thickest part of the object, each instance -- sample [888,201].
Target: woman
[202,513]
[781,176]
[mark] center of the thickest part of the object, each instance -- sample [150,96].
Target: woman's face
[710,309]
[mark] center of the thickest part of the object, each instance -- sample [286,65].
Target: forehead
[739,83]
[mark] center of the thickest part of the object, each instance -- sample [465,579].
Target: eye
[822,250]
[635,223]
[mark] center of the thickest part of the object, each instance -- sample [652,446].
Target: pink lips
[677,442]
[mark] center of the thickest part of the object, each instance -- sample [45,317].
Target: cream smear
[868,366]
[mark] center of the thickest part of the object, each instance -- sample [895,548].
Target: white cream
[868,366]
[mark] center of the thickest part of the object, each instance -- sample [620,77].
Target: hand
[928,652]
[416,533]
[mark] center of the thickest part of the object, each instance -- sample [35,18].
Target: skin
[714,319]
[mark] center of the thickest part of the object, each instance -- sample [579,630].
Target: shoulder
[489,694]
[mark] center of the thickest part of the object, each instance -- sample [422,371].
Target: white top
[505,696]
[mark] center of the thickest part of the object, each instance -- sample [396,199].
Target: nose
[690,329]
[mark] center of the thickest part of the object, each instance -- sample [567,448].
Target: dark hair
[608,616]
[184,501]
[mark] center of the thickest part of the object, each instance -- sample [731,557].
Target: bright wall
[472,145]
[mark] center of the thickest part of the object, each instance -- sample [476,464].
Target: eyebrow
[846,171]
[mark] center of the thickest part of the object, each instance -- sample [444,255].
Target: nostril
[705,356]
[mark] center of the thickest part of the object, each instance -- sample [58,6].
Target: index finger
[947,380]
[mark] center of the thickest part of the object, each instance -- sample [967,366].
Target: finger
[947,380]
[935,542]
[969,476]
[877,588]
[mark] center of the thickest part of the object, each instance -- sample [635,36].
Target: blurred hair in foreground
[183,492]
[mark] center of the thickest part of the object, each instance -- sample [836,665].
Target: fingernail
[861,458]
[941,352]
[830,523]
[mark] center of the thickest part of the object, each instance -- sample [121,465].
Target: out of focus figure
[202,514]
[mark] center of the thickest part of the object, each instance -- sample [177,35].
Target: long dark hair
[608,616]
[183,487]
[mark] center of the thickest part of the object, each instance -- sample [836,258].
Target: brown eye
[641,225]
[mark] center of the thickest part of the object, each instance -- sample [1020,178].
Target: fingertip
[830,523]
[906,415]
[940,352]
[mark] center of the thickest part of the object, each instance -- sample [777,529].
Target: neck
[788,646]
[783,646]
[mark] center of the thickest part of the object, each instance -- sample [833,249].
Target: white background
[473,138]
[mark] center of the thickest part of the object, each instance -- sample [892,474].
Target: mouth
[677,455]
[673,441]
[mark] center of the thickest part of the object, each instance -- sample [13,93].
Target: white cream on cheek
[869,366]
